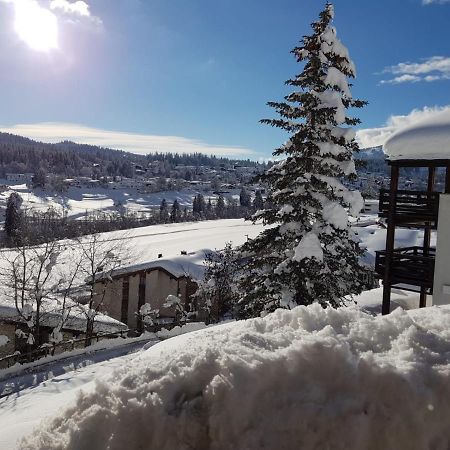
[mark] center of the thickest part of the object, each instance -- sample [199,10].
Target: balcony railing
[411,207]
[409,265]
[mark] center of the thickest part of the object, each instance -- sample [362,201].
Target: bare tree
[100,258]
[29,279]
[66,284]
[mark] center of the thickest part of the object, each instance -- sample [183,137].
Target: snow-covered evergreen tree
[258,202]
[13,218]
[175,213]
[163,211]
[309,253]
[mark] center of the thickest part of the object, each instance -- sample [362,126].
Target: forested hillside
[22,155]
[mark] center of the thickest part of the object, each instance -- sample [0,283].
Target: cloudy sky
[195,75]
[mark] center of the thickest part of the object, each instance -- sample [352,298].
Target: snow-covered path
[35,375]
[22,411]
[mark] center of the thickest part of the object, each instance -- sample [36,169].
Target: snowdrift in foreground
[302,379]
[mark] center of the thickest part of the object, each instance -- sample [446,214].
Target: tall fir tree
[163,211]
[308,253]
[175,213]
[221,207]
[258,202]
[209,209]
[14,219]
[245,199]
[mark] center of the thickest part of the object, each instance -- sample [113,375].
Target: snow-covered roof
[425,140]
[51,316]
[190,265]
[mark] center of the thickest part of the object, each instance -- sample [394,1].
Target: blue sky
[195,75]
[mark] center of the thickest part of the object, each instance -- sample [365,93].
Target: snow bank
[427,139]
[302,379]
[370,301]
[179,330]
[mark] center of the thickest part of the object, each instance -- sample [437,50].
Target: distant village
[149,179]
[156,177]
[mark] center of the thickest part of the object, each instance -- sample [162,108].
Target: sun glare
[36,26]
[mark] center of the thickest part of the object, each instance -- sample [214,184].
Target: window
[125,299]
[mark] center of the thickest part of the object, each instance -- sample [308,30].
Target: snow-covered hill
[77,201]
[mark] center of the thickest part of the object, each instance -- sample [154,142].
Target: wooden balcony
[410,265]
[412,208]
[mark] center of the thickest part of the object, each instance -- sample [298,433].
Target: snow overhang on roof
[190,265]
[51,316]
[425,140]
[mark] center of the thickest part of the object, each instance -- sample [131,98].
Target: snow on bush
[303,379]
[178,330]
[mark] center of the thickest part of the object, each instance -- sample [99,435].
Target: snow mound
[427,139]
[302,379]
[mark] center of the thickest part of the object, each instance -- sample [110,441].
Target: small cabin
[424,267]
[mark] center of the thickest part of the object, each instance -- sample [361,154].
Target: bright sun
[36,26]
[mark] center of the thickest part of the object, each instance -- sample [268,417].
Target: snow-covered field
[76,201]
[307,378]
[141,245]
[145,244]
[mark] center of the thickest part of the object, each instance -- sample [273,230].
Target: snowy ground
[76,201]
[145,244]
[21,412]
[250,348]
[27,398]
[20,377]
[307,378]
[141,245]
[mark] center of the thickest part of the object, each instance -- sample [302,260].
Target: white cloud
[402,79]
[131,142]
[79,7]
[431,69]
[438,2]
[373,137]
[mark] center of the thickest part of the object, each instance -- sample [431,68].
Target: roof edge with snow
[427,140]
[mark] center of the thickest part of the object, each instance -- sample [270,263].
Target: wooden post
[390,238]
[427,234]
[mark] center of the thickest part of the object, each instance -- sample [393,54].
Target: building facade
[122,295]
